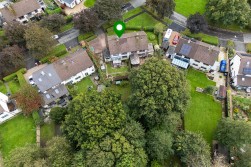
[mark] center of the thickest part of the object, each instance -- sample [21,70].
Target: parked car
[31,81]
[175,39]
[55,36]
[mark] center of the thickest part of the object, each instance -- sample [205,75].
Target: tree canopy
[109,9]
[53,22]
[164,8]
[38,40]
[86,20]
[228,12]
[57,114]
[192,149]
[28,99]
[196,23]
[233,133]
[14,31]
[158,89]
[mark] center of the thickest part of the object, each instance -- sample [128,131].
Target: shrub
[152,37]
[20,77]
[55,11]
[60,53]
[82,37]
[45,59]
[138,28]
[57,114]
[69,18]
[208,90]
[91,38]
[248,47]
[10,77]
[36,118]
[150,29]
[160,37]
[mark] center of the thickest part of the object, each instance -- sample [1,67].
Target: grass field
[67,26]
[14,86]
[203,113]
[132,13]
[16,133]
[89,3]
[123,90]
[82,86]
[3,88]
[47,132]
[187,7]
[144,20]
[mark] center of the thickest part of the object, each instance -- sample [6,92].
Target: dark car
[61,101]
[175,39]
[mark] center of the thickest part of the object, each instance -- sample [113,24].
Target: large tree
[158,89]
[109,9]
[86,20]
[57,114]
[233,133]
[196,23]
[164,8]
[98,124]
[38,40]
[192,149]
[28,99]
[14,31]
[53,22]
[59,152]
[11,60]
[228,12]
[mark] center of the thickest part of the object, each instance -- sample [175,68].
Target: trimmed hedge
[19,75]
[10,77]
[83,37]
[91,38]
[55,11]
[248,47]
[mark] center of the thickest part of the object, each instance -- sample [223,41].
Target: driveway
[240,47]
[69,38]
[247,38]
[137,3]
[177,27]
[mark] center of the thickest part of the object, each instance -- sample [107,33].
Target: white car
[31,80]
[55,37]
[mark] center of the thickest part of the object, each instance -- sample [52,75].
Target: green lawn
[132,13]
[47,132]
[67,27]
[14,86]
[16,133]
[144,20]
[3,88]
[120,70]
[187,7]
[123,90]
[82,86]
[152,38]
[203,113]
[89,3]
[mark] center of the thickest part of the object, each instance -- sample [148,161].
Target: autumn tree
[108,9]
[53,22]
[158,89]
[14,31]
[192,149]
[228,12]
[86,20]
[11,60]
[233,133]
[196,23]
[38,40]
[28,99]
[164,8]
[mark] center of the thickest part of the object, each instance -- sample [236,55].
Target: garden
[47,132]
[204,112]
[241,108]
[187,7]
[81,87]
[89,3]
[17,132]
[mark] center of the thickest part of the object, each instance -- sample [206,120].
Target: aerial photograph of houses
[125,83]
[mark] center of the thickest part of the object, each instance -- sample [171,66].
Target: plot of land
[89,3]
[3,88]
[187,7]
[124,90]
[47,132]
[82,86]
[143,20]
[203,113]
[16,133]
[132,13]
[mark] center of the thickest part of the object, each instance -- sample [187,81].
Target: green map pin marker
[119,28]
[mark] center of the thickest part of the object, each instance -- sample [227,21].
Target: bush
[60,53]
[36,118]
[83,37]
[21,78]
[152,37]
[10,77]
[150,29]
[57,114]
[69,18]
[160,38]
[138,28]
[55,11]
[91,38]
[208,90]
[248,47]
[45,59]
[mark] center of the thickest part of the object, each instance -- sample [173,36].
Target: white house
[51,79]
[70,3]
[21,11]
[135,43]
[199,55]
[240,71]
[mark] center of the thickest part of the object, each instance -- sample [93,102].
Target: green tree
[25,156]
[159,144]
[53,22]
[159,28]
[228,12]
[192,149]
[109,9]
[14,31]
[58,152]
[243,157]
[233,133]
[28,99]
[172,123]
[162,7]
[196,23]
[57,114]
[86,21]
[38,40]
[158,89]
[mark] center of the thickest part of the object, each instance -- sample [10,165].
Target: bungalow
[70,3]
[199,55]
[130,44]
[21,11]
[240,71]
[51,79]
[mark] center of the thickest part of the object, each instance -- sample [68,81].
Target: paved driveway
[68,35]
[247,38]
[240,46]
[137,3]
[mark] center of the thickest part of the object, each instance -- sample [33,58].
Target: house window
[124,57]
[125,53]
[195,64]
[86,74]
[196,61]
[203,68]
[78,78]
[142,50]
[206,64]
[21,17]
[231,63]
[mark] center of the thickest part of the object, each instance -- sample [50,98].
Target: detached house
[21,11]
[51,79]
[240,67]
[133,45]
[196,54]
[70,3]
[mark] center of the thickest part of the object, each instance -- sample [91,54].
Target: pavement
[240,46]
[247,38]
[137,3]
[29,60]
[69,38]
